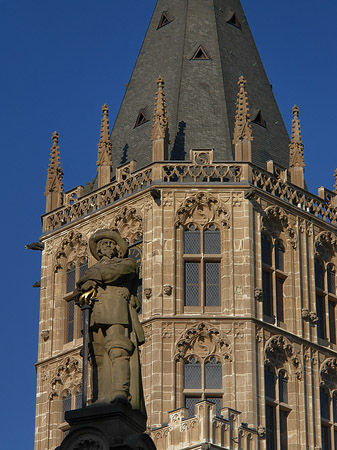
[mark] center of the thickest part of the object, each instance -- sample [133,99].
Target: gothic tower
[237,259]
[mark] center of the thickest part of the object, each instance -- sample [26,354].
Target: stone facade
[242,202]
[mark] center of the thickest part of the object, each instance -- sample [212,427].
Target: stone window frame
[202,393]
[329,423]
[75,403]
[277,275]
[77,320]
[279,408]
[326,325]
[202,259]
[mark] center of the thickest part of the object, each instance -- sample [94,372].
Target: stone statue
[115,330]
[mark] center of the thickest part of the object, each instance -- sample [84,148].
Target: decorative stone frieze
[279,350]
[129,224]
[275,220]
[328,373]
[68,375]
[73,244]
[326,245]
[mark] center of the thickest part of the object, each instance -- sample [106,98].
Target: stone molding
[279,350]
[275,220]
[326,245]
[67,375]
[328,373]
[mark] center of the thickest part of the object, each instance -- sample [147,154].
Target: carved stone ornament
[148,293]
[328,373]
[326,245]
[129,224]
[203,339]
[275,220]
[202,208]
[309,316]
[72,243]
[68,374]
[261,431]
[167,288]
[258,294]
[45,335]
[279,350]
[89,442]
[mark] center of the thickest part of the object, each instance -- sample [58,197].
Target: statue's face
[107,247]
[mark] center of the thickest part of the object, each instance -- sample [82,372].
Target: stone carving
[54,184]
[89,443]
[148,292]
[202,157]
[167,288]
[71,244]
[275,220]
[258,294]
[309,316]
[243,135]
[278,350]
[204,340]
[202,208]
[328,373]
[326,245]
[129,224]
[68,375]
[115,327]
[296,155]
[45,335]
[148,332]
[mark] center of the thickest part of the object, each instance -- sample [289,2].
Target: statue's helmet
[107,234]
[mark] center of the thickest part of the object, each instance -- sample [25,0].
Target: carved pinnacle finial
[104,157]
[335,185]
[54,184]
[296,155]
[243,135]
[160,132]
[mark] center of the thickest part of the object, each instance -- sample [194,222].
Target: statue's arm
[90,279]
[113,273]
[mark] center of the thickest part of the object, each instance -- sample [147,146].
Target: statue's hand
[88,285]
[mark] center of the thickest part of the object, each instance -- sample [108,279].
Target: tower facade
[237,259]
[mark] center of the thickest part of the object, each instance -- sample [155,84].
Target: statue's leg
[101,363]
[119,348]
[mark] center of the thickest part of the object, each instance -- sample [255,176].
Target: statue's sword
[86,302]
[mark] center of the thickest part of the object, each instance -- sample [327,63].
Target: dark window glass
[78,399]
[270,427]
[213,374]
[218,404]
[71,278]
[283,430]
[266,250]
[279,299]
[325,404]
[332,321]
[334,403]
[212,241]
[279,256]
[269,382]
[267,293]
[192,374]
[283,387]
[192,280]
[190,404]
[326,438]
[335,435]
[320,307]
[192,241]
[71,318]
[83,267]
[66,404]
[319,275]
[212,284]
[331,280]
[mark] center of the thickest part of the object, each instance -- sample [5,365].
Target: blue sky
[61,61]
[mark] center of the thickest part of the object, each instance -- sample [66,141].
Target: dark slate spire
[201,48]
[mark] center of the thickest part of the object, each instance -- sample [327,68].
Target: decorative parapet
[202,171]
[205,430]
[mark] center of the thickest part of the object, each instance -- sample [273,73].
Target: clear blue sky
[60,61]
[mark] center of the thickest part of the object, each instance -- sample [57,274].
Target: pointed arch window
[328,404]
[273,277]
[202,381]
[326,300]
[66,403]
[202,253]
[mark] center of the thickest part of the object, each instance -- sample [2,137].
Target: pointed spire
[160,132]
[243,135]
[296,154]
[54,184]
[335,185]
[104,158]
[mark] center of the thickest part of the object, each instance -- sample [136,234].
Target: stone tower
[237,259]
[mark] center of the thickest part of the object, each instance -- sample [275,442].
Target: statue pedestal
[114,426]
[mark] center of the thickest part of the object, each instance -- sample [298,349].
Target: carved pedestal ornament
[275,220]
[279,350]
[204,340]
[326,245]
[202,208]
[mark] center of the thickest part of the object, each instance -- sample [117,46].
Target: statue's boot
[120,359]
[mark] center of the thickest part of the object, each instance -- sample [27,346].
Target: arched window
[202,381]
[273,278]
[202,250]
[326,300]
[71,277]
[66,403]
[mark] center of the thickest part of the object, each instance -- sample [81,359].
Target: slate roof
[200,94]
